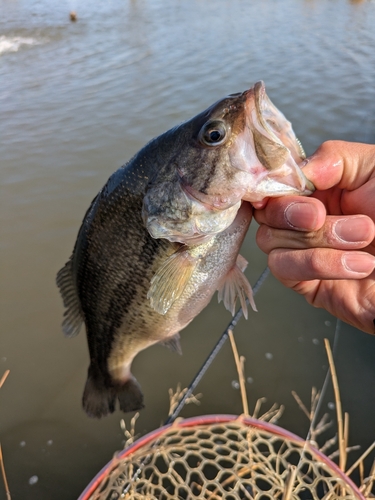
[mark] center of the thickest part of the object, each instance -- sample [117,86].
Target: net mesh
[227,459]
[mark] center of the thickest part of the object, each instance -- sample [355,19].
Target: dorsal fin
[73,317]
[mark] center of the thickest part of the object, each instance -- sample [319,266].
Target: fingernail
[301,216]
[352,230]
[359,262]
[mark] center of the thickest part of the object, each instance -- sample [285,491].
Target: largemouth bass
[133,290]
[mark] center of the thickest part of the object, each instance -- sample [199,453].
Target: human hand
[323,247]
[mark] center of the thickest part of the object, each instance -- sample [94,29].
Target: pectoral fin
[170,280]
[236,285]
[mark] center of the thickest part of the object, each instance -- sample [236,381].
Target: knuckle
[264,238]
[330,145]
[317,262]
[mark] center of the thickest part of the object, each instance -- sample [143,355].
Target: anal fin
[173,343]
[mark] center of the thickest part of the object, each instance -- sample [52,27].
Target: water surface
[79,99]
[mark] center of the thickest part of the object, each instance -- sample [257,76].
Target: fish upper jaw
[268,152]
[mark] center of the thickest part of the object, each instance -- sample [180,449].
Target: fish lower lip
[205,200]
[157,231]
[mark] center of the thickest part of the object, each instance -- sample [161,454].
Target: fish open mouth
[275,123]
[277,150]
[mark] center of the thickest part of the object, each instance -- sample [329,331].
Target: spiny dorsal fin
[236,286]
[73,317]
[170,280]
[173,343]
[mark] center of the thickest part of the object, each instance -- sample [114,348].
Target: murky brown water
[77,101]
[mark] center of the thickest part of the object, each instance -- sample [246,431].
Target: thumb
[346,165]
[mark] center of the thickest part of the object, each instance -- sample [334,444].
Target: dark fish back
[110,266]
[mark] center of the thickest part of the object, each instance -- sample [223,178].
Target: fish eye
[213,133]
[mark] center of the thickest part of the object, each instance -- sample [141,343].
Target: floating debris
[33,480]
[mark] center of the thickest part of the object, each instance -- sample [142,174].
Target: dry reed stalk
[301,405]
[4,377]
[366,488]
[7,491]
[346,429]
[340,425]
[361,468]
[240,369]
[361,459]
[289,483]
[175,396]
[258,405]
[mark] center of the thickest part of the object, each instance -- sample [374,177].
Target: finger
[361,200]
[346,164]
[345,233]
[292,266]
[292,212]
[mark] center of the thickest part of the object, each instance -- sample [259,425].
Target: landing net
[221,457]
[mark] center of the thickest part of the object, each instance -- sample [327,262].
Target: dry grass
[7,491]
[286,479]
[367,485]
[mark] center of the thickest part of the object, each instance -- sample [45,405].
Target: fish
[133,288]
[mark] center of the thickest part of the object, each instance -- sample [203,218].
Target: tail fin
[99,398]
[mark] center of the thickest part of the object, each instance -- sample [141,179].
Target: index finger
[292,212]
